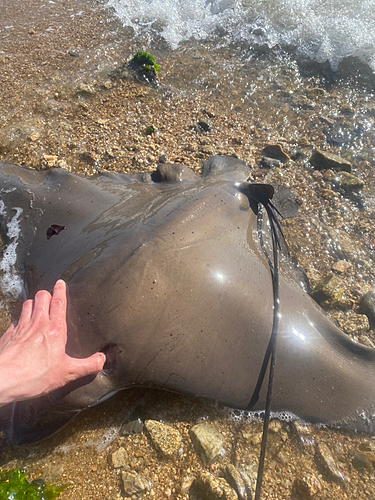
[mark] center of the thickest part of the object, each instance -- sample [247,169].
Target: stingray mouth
[110,351]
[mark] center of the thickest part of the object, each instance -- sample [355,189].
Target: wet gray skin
[166,275]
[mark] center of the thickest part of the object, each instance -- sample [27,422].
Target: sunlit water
[321,30]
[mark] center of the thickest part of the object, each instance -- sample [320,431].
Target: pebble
[305,487]
[133,427]
[329,291]
[134,484]
[348,182]
[204,125]
[341,266]
[270,162]
[329,175]
[328,464]
[236,481]
[275,151]
[49,161]
[367,306]
[211,487]
[304,433]
[316,92]
[165,438]
[323,160]
[359,461]
[208,150]
[86,89]
[119,458]
[207,441]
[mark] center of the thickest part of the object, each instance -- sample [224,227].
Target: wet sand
[62,107]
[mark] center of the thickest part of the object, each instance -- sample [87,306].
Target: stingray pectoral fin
[35,420]
[40,418]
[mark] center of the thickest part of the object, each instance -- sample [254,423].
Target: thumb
[88,366]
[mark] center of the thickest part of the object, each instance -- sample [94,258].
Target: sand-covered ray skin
[166,275]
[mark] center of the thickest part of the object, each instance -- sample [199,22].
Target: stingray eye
[54,229]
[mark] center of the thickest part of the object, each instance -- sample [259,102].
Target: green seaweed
[15,486]
[150,129]
[146,60]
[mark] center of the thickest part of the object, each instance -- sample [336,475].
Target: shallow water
[255,90]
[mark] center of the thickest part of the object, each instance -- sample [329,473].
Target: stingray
[168,276]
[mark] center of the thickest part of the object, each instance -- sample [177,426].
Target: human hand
[33,361]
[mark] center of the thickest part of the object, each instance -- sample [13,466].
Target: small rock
[133,427]
[367,306]
[119,458]
[327,463]
[86,89]
[207,441]
[304,433]
[328,291]
[270,162]
[213,488]
[306,487]
[134,484]
[236,481]
[341,266]
[329,175]
[34,136]
[276,152]
[192,147]
[49,161]
[359,461]
[275,426]
[342,245]
[73,53]
[316,92]
[87,157]
[208,150]
[165,438]
[258,32]
[348,182]
[297,154]
[368,449]
[323,160]
[204,125]
[163,159]
[185,484]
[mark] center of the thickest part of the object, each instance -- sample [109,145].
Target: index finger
[58,303]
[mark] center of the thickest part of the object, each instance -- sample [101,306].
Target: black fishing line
[271,348]
[260,197]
